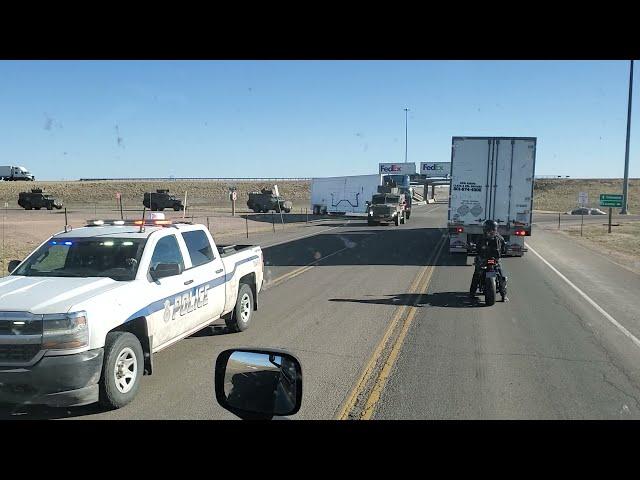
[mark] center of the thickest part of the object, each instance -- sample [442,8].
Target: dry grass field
[561,195]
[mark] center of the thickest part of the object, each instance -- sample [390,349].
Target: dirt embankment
[561,195]
[200,193]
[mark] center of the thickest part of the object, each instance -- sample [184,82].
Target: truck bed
[226,250]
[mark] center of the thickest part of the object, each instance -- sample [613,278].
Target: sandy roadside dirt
[622,245]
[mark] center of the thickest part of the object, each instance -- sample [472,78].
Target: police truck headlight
[371,212]
[66,331]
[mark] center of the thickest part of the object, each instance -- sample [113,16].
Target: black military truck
[387,206]
[36,199]
[161,199]
[265,201]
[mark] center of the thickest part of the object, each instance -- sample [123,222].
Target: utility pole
[625,184]
[406,131]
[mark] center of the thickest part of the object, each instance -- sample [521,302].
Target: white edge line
[626,332]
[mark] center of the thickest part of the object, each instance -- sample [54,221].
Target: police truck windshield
[115,258]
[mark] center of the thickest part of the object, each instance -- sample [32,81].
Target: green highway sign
[610,200]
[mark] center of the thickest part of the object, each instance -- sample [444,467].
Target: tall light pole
[625,184]
[406,130]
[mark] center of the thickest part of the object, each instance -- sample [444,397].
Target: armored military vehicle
[161,199]
[265,201]
[36,199]
[387,206]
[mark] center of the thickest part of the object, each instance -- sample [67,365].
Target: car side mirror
[13,264]
[163,270]
[258,384]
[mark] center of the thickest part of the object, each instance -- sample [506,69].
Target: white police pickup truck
[82,316]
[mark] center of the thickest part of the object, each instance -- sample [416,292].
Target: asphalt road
[380,322]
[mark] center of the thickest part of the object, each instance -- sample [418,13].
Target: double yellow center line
[384,358]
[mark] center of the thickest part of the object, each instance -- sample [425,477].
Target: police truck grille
[18,353]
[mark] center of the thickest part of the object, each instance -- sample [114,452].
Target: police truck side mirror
[163,270]
[258,384]
[13,264]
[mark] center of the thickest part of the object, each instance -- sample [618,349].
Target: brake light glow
[491,261]
[520,233]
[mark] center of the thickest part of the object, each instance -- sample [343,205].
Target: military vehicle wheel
[27,206]
[372,223]
[161,209]
[49,207]
[37,208]
[257,208]
[176,208]
[287,210]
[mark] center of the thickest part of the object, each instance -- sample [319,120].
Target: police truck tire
[176,208]
[240,317]
[122,367]
[489,291]
[37,208]
[49,207]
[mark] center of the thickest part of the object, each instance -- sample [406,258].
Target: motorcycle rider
[491,245]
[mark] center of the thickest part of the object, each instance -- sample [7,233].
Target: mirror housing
[164,270]
[13,264]
[258,384]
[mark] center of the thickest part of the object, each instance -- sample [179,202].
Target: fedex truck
[491,179]
[341,195]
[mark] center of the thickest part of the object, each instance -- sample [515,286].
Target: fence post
[558,220]
[246,223]
[273,222]
[306,211]
[208,225]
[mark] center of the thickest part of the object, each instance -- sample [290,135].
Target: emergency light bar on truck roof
[147,222]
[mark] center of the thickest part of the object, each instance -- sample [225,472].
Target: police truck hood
[42,295]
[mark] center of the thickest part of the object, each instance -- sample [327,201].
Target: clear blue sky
[67,120]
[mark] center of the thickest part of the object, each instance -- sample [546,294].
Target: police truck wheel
[176,208]
[49,207]
[37,208]
[240,318]
[122,367]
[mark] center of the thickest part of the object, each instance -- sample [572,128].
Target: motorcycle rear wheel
[489,291]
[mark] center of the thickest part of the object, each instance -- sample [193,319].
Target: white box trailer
[343,194]
[491,179]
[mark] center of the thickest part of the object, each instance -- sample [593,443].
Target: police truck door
[206,277]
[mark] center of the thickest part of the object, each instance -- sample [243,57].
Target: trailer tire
[240,318]
[115,391]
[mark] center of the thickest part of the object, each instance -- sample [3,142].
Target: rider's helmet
[490,227]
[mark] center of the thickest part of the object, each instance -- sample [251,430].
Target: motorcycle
[491,281]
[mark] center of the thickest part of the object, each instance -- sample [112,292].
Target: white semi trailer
[491,179]
[348,194]
[13,173]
